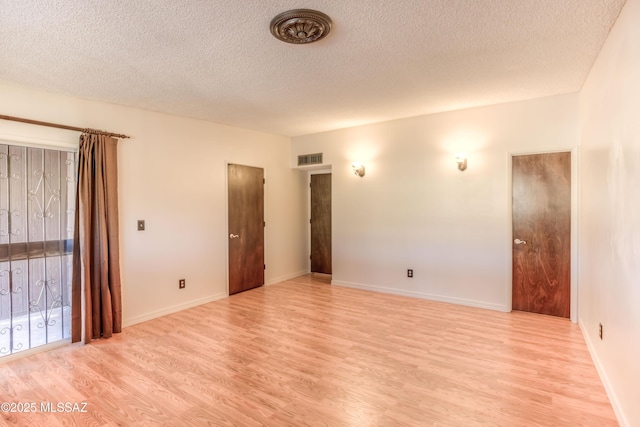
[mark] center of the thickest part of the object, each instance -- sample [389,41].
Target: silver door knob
[519,242]
[233,236]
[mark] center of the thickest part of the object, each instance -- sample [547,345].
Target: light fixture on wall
[461,159]
[358,168]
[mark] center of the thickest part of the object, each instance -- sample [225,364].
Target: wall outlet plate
[182,283]
[141,225]
[410,273]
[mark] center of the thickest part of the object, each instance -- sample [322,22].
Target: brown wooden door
[321,223]
[246,227]
[542,233]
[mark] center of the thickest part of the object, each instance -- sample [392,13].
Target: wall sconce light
[358,168]
[461,159]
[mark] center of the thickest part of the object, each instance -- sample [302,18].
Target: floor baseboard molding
[613,398]
[173,309]
[286,277]
[421,295]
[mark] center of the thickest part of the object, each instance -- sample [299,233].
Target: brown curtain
[96,296]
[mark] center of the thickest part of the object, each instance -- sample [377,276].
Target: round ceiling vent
[300,26]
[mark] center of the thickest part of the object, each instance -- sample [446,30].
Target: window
[37,209]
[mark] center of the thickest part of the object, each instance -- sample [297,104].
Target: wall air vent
[310,159]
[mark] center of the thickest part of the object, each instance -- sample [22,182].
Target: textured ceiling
[216,59]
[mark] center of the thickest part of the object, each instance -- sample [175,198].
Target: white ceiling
[216,59]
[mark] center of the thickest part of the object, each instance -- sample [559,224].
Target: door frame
[226,216]
[317,172]
[573,312]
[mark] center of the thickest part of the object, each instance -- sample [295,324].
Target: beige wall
[610,213]
[173,175]
[414,209]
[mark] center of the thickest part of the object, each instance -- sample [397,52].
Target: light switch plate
[141,225]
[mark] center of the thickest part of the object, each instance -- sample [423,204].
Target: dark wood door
[246,227]
[542,233]
[321,223]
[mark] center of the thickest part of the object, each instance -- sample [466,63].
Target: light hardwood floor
[304,352]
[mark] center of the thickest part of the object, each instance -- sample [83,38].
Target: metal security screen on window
[37,208]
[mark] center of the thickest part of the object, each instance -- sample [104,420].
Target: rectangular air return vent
[310,159]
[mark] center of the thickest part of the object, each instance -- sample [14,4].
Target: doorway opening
[245,205]
[320,223]
[542,210]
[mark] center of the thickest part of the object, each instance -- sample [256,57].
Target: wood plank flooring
[305,353]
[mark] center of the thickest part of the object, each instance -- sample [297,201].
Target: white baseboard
[169,310]
[286,277]
[613,398]
[172,309]
[422,295]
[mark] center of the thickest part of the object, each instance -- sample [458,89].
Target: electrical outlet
[182,283]
[409,273]
[600,330]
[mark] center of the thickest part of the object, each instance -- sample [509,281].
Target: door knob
[233,236]
[519,242]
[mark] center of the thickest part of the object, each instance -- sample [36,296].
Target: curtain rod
[55,125]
